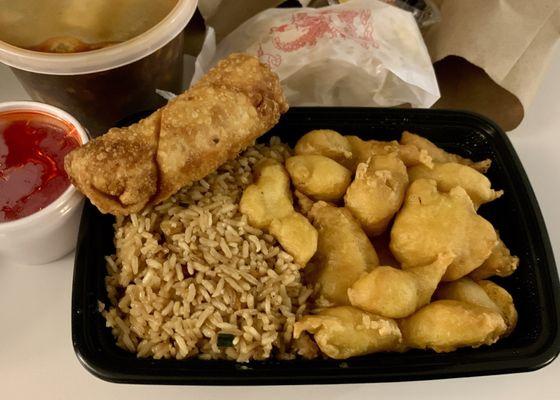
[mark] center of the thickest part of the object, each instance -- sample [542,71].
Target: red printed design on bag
[306,29]
[272,60]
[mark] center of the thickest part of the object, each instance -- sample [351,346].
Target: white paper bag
[360,53]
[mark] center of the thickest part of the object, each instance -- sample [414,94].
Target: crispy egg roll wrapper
[129,168]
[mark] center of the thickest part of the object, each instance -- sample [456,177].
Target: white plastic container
[101,87]
[50,233]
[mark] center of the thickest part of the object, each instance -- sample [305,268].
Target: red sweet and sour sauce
[32,150]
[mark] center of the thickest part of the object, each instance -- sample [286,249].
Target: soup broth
[68,26]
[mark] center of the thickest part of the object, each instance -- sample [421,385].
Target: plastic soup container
[39,207]
[101,87]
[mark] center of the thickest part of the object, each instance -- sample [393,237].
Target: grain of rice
[204,293]
[225,248]
[233,284]
[219,288]
[205,314]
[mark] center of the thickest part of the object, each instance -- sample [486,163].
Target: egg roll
[144,164]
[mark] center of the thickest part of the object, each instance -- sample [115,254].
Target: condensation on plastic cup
[102,87]
[50,233]
[106,58]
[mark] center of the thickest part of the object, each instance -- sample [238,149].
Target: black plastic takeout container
[534,287]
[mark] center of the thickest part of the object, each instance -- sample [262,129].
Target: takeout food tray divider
[534,287]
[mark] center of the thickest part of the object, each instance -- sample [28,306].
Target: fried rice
[190,277]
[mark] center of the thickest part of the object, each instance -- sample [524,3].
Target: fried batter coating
[431,222]
[269,197]
[500,263]
[116,171]
[377,192]
[343,332]
[344,252]
[446,325]
[128,168]
[267,203]
[318,176]
[466,290]
[412,155]
[304,203]
[449,175]
[440,155]
[328,143]
[296,235]
[482,293]
[504,301]
[305,346]
[394,293]
[362,150]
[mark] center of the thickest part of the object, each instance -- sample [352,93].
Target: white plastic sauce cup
[50,233]
[101,87]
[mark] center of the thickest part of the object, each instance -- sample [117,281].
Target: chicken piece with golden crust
[267,203]
[362,151]
[328,143]
[269,197]
[318,177]
[449,175]
[303,202]
[440,155]
[500,263]
[395,293]
[431,223]
[466,290]
[446,325]
[504,301]
[343,332]
[344,252]
[296,235]
[377,192]
[482,293]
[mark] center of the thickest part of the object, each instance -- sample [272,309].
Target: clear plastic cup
[101,87]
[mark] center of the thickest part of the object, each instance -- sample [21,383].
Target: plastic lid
[103,59]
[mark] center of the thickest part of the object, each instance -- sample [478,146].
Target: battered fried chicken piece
[269,197]
[318,177]
[395,293]
[303,202]
[440,155]
[344,252]
[328,143]
[377,192]
[446,325]
[296,235]
[362,150]
[128,168]
[466,290]
[500,263]
[449,175]
[504,301]
[432,222]
[482,293]
[343,332]
[267,203]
